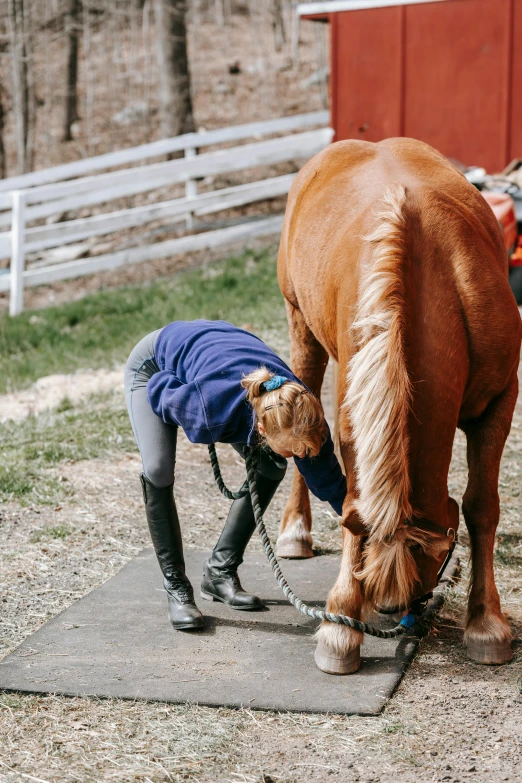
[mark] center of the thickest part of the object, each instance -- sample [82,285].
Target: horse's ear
[352,521]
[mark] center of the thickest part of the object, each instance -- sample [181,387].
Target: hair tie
[274,383]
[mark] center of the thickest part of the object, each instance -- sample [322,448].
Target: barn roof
[319,8]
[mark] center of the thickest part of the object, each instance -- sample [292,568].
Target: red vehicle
[503,207]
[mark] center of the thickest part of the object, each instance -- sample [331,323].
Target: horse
[393,265]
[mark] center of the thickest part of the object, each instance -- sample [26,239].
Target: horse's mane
[378,400]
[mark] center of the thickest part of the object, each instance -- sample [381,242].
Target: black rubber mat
[117,641]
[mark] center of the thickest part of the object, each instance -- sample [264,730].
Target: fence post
[190,187]
[16,300]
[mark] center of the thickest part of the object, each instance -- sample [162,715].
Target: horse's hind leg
[309,360]
[487,634]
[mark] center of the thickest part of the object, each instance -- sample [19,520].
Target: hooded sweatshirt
[198,388]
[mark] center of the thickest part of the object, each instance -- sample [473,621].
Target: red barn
[444,71]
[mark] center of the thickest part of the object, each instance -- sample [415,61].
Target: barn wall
[446,73]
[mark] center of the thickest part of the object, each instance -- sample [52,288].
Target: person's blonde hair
[291,416]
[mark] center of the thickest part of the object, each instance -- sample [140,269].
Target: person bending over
[220,384]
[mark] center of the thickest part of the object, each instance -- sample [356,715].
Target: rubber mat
[117,642]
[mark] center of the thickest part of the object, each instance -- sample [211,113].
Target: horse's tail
[378,400]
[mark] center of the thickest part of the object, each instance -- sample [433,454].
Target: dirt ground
[450,719]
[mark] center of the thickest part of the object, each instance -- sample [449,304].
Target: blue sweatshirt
[199,389]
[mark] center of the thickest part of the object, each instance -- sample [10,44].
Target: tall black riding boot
[220,578]
[165,533]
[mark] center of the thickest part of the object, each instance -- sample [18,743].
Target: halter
[418,604]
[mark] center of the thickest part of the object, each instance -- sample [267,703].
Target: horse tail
[378,399]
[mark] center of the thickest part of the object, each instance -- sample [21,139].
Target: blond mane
[378,400]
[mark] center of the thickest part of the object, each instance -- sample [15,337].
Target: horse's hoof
[337,664]
[294,550]
[492,653]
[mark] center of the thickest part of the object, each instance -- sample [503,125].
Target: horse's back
[455,262]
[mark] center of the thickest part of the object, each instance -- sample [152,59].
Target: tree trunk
[3,166]
[278,24]
[72,26]
[175,97]
[19,15]
[220,12]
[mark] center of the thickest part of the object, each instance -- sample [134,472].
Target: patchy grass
[49,532]
[29,449]
[393,728]
[101,329]
[508,550]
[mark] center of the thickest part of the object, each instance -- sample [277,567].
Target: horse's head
[406,565]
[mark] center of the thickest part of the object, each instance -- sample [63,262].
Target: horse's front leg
[487,634]
[338,646]
[309,360]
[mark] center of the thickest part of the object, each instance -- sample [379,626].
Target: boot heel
[208,596]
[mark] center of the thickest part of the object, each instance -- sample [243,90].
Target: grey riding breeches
[156,440]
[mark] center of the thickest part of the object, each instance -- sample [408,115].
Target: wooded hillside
[83,77]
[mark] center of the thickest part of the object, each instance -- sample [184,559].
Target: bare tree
[72,27]
[278,24]
[3,166]
[4,47]
[174,76]
[19,16]
[220,12]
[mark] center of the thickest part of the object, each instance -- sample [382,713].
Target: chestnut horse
[393,264]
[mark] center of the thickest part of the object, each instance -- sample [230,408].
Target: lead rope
[319,614]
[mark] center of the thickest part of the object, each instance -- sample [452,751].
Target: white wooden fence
[38,195]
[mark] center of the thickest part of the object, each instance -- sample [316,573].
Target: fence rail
[44,237]
[164,147]
[46,200]
[136,255]
[33,197]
